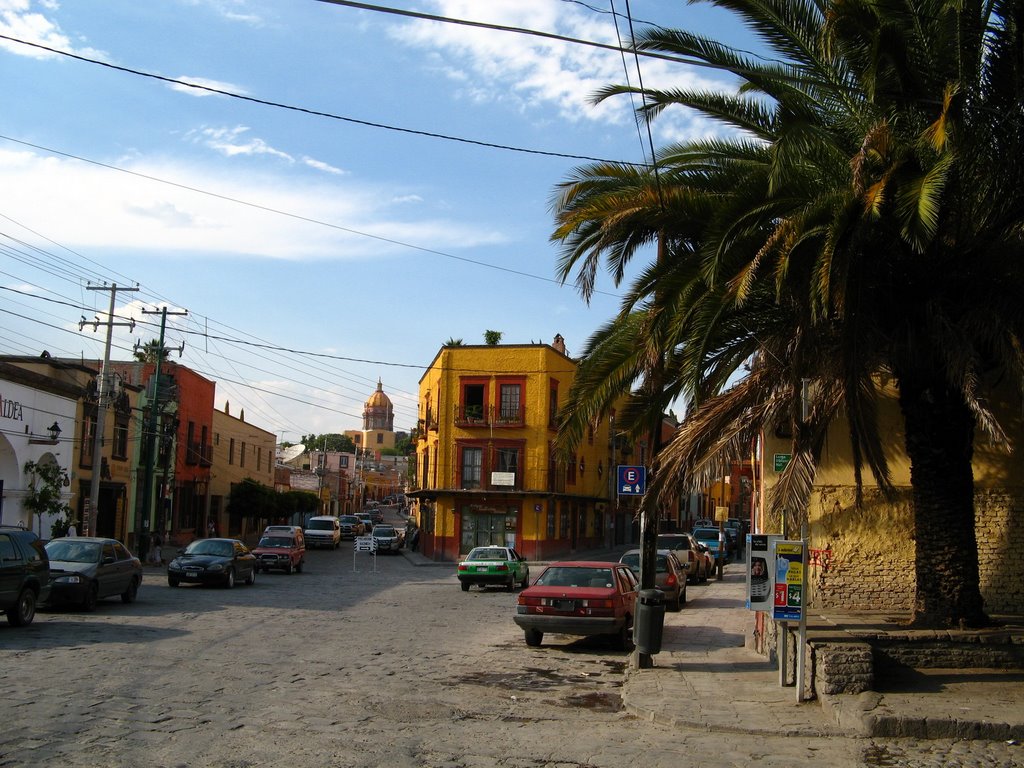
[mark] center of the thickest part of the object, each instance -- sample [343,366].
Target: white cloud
[533,72]
[18,20]
[232,10]
[276,216]
[233,141]
[206,83]
[322,166]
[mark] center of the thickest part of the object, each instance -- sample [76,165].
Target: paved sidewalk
[705,678]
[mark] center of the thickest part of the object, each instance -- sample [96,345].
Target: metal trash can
[650,621]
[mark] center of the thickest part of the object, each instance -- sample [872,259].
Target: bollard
[650,621]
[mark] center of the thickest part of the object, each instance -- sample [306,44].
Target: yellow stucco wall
[258,443]
[868,552]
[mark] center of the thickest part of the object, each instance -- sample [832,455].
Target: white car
[323,531]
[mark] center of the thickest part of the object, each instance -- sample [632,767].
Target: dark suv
[24,574]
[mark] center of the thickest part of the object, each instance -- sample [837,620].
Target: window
[119,450]
[259,457]
[88,437]
[472,467]
[216,438]
[563,521]
[553,405]
[507,460]
[380,438]
[231,451]
[474,402]
[551,520]
[510,403]
[570,473]
[241,455]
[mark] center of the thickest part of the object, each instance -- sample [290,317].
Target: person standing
[156,556]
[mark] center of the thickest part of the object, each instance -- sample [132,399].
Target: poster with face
[760,578]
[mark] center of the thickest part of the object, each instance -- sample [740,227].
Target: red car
[579,598]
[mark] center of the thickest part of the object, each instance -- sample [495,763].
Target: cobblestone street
[344,667]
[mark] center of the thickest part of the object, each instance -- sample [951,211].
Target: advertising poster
[760,581]
[787,596]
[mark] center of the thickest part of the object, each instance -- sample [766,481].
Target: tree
[864,221]
[492,338]
[453,342]
[253,501]
[43,496]
[151,351]
[332,442]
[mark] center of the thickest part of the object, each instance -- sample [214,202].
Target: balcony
[471,416]
[510,416]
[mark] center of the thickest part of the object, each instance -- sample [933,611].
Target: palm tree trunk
[940,445]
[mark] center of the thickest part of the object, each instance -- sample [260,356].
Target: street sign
[366,544]
[632,480]
[782,461]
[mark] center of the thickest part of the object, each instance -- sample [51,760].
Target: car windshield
[488,553]
[210,547]
[350,519]
[275,541]
[706,534]
[673,542]
[70,551]
[321,525]
[632,559]
[382,530]
[573,576]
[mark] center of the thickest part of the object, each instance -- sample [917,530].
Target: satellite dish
[290,454]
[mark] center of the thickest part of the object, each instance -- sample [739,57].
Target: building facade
[486,467]
[240,451]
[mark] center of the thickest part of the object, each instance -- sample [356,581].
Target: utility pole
[101,403]
[146,508]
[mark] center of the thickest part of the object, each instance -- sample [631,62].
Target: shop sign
[11,409]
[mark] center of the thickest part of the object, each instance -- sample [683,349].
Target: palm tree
[867,221]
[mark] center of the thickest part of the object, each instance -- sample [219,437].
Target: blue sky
[314,254]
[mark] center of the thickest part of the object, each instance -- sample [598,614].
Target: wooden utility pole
[102,401]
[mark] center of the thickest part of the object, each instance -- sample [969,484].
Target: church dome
[378,414]
[378,399]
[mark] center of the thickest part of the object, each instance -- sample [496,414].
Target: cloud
[18,20]
[232,142]
[282,216]
[232,10]
[181,87]
[531,72]
[322,166]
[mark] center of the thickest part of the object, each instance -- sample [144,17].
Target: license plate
[481,569]
[191,571]
[564,605]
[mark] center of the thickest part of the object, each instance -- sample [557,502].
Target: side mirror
[107,560]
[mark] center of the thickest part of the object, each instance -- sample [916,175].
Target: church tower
[378,422]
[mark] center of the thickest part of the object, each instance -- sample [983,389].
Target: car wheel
[298,566]
[288,568]
[173,581]
[229,578]
[526,581]
[129,595]
[464,585]
[534,637]
[682,598]
[23,611]
[251,578]
[92,596]
[624,638]
[511,586]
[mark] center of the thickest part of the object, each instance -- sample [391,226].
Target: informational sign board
[503,478]
[632,480]
[760,576]
[782,461]
[789,560]
[365,544]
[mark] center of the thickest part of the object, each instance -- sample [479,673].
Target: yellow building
[486,470]
[240,451]
[862,558]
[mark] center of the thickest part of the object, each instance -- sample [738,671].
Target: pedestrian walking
[156,555]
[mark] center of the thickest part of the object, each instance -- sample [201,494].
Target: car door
[108,574]
[519,565]
[10,570]
[245,561]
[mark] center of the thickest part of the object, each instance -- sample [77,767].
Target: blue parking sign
[632,480]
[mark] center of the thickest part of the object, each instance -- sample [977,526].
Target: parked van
[323,531]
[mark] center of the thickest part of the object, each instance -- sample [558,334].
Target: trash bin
[649,621]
